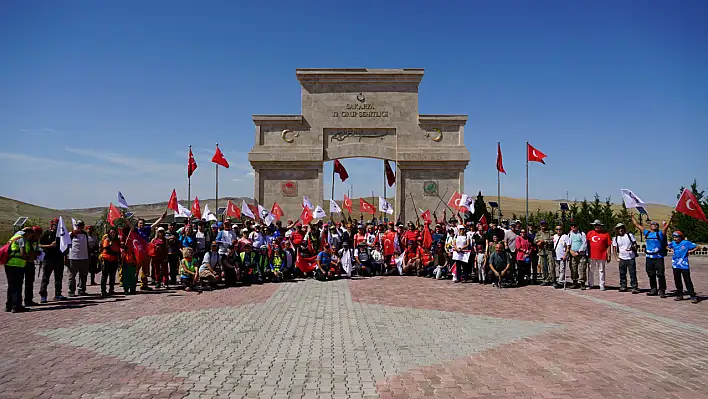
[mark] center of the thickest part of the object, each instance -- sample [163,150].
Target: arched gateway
[358,113]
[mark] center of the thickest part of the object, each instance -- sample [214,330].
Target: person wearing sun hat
[625,249]
[599,241]
[681,248]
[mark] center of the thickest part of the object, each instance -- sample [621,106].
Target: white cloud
[140,164]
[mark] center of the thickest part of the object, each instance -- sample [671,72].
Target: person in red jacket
[599,241]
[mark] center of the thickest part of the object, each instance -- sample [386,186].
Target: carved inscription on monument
[357,134]
[360,110]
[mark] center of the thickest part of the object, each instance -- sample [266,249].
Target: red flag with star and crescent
[232,210]
[219,159]
[172,204]
[483,222]
[390,176]
[138,246]
[688,205]
[339,169]
[192,164]
[426,216]
[388,243]
[500,162]
[347,204]
[454,201]
[366,207]
[113,214]
[534,155]
[196,209]
[277,211]
[306,215]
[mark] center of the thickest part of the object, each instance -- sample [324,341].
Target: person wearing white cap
[78,259]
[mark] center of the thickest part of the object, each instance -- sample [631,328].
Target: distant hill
[11,209]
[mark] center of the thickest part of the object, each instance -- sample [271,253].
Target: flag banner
[306,265]
[339,169]
[630,199]
[63,234]
[277,211]
[333,207]
[254,212]
[139,247]
[319,213]
[347,263]
[388,243]
[347,204]
[365,207]
[500,162]
[208,215]
[113,214]
[390,176]
[483,221]
[466,202]
[191,164]
[426,215]
[219,159]
[306,202]
[172,204]
[246,210]
[196,209]
[399,263]
[266,216]
[73,223]
[306,215]
[182,211]
[384,206]
[121,201]
[455,202]
[688,205]
[427,238]
[534,155]
[232,210]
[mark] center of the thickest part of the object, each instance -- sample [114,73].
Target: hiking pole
[444,194]
[565,269]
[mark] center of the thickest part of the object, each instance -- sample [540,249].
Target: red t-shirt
[411,235]
[598,244]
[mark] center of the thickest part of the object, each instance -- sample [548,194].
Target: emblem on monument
[289,188]
[430,188]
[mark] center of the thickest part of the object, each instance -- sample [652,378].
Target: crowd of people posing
[200,255]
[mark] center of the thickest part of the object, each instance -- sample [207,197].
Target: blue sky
[96,96]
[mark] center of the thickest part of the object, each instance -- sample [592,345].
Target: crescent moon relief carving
[286,138]
[435,137]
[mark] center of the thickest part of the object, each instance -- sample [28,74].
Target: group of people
[198,255]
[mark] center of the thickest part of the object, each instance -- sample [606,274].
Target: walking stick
[417,217]
[565,269]
[444,194]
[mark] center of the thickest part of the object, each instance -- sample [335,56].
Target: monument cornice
[359,75]
[278,119]
[442,119]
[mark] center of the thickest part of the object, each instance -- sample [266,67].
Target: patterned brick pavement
[395,337]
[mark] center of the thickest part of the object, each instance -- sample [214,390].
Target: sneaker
[21,310]
[662,294]
[558,286]
[31,303]
[652,293]
[694,299]
[145,288]
[635,291]
[43,299]
[583,288]
[678,297]
[602,288]
[623,289]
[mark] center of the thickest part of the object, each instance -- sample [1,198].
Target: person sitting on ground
[324,264]
[499,264]
[377,259]
[346,259]
[188,275]
[210,269]
[412,260]
[681,248]
[363,260]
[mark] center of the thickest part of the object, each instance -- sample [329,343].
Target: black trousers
[15,278]
[56,267]
[631,265]
[173,264]
[686,275]
[29,282]
[108,275]
[655,270]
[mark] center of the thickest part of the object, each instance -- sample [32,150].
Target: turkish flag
[500,163]
[276,211]
[254,211]
[390,176]
[534,155]
[172,204]
[306,215]
[139,247]
[339,169]
[347,204]
[365,207]
[219,159]
[232,210]
[454,202]
[192,164]
[388,243]
[688,205]
[196,210]
[426,216]
[113,214]
[427,238]
[306,264]
[483,222]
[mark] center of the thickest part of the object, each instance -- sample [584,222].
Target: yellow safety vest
[15,259]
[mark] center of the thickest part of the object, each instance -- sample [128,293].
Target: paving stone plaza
[388,337]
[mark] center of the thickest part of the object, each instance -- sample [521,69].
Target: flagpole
[189,179]
[216,200]
[332,196]
[384,185]
[527,184]
[499,212]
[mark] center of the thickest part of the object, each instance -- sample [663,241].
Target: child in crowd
[681,248]
[188,269]
[480,260]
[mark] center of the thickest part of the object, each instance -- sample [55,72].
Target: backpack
[663,243]
[633,248]
[5,251]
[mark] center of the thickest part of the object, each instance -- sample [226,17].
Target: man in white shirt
[225,238]
[560,244]
[624,246]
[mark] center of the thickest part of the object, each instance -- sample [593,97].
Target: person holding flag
[656,250]
[53,262]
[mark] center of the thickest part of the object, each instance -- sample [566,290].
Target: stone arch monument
[358,113]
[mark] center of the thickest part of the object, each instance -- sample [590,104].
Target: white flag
[467,201]
[347,261]
[121,200]
[208,215]
[63,234]
[319,213]
[183,212]
[384,206]
[306,202]
[246,211]
[399,263]
[631,200]
[333,207]
[265,215]
[73,223]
